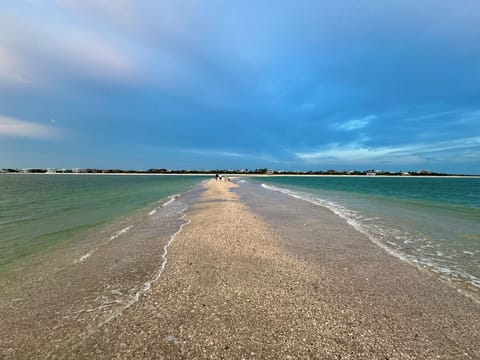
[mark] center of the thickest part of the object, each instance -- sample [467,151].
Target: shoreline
[256,175]
[242,283]
[466,283]
[80,287]
[110,174]
[254,275]
[373,176]
[45,213]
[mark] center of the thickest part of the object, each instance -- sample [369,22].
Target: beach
[249,275]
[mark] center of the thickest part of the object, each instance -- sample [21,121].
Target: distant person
[216,177]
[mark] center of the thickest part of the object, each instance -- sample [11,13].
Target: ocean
[41,213]
[76,251]
[430,222]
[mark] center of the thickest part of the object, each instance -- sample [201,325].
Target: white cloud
[120,10]
[357,152]
[12,68]
[214,152]
[355,124]
[226,153]
[40,53]
[12,127]
[432,116]
[95,56]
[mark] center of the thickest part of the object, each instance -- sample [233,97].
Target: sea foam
[350,216]
[127,303]
[170,200]
[383,235]
[112,237]
[148,284]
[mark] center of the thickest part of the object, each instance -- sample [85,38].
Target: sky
[288,85]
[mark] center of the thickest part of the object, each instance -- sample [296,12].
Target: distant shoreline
[376,176]
[233,174]
[108,174]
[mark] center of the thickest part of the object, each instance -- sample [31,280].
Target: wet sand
[236,288]
[252,281]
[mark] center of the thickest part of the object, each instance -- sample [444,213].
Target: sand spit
[243,283]
[235,288]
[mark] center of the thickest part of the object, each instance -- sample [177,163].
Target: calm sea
[431,222]
[42,212]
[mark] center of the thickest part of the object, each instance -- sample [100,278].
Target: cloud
[354,124]
[358,153]
[472,117]
[95,56]
[229,154]
[121,10]
[12,127]
[12,68]
[288,79]
[212,152]
[41,53]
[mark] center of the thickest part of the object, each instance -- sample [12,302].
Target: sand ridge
[232,291]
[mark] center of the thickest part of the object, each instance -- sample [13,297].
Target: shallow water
[430,222]
[85,284]
[41,212]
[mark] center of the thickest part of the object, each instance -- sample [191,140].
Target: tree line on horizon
[259,171]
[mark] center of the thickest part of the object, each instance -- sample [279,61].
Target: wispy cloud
[354,124]
[471,117]
[12,127]
[96,56]
[212,152]
[12,68]
[284,80]
[226,153]
[433,116]
[409,153]
[42,53]
[122,11]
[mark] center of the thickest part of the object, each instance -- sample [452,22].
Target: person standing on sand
[216,177]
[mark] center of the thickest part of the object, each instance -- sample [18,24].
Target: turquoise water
[40,212]
[431,222]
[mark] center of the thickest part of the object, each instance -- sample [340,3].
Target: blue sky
[294,85]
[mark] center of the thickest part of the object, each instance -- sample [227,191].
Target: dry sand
[234,290]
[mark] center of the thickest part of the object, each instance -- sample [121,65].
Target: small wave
[85,257]
[172,199]
[377,233]
[16,221]
[120,233]
[348,215]
[114,236]
[146,286]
